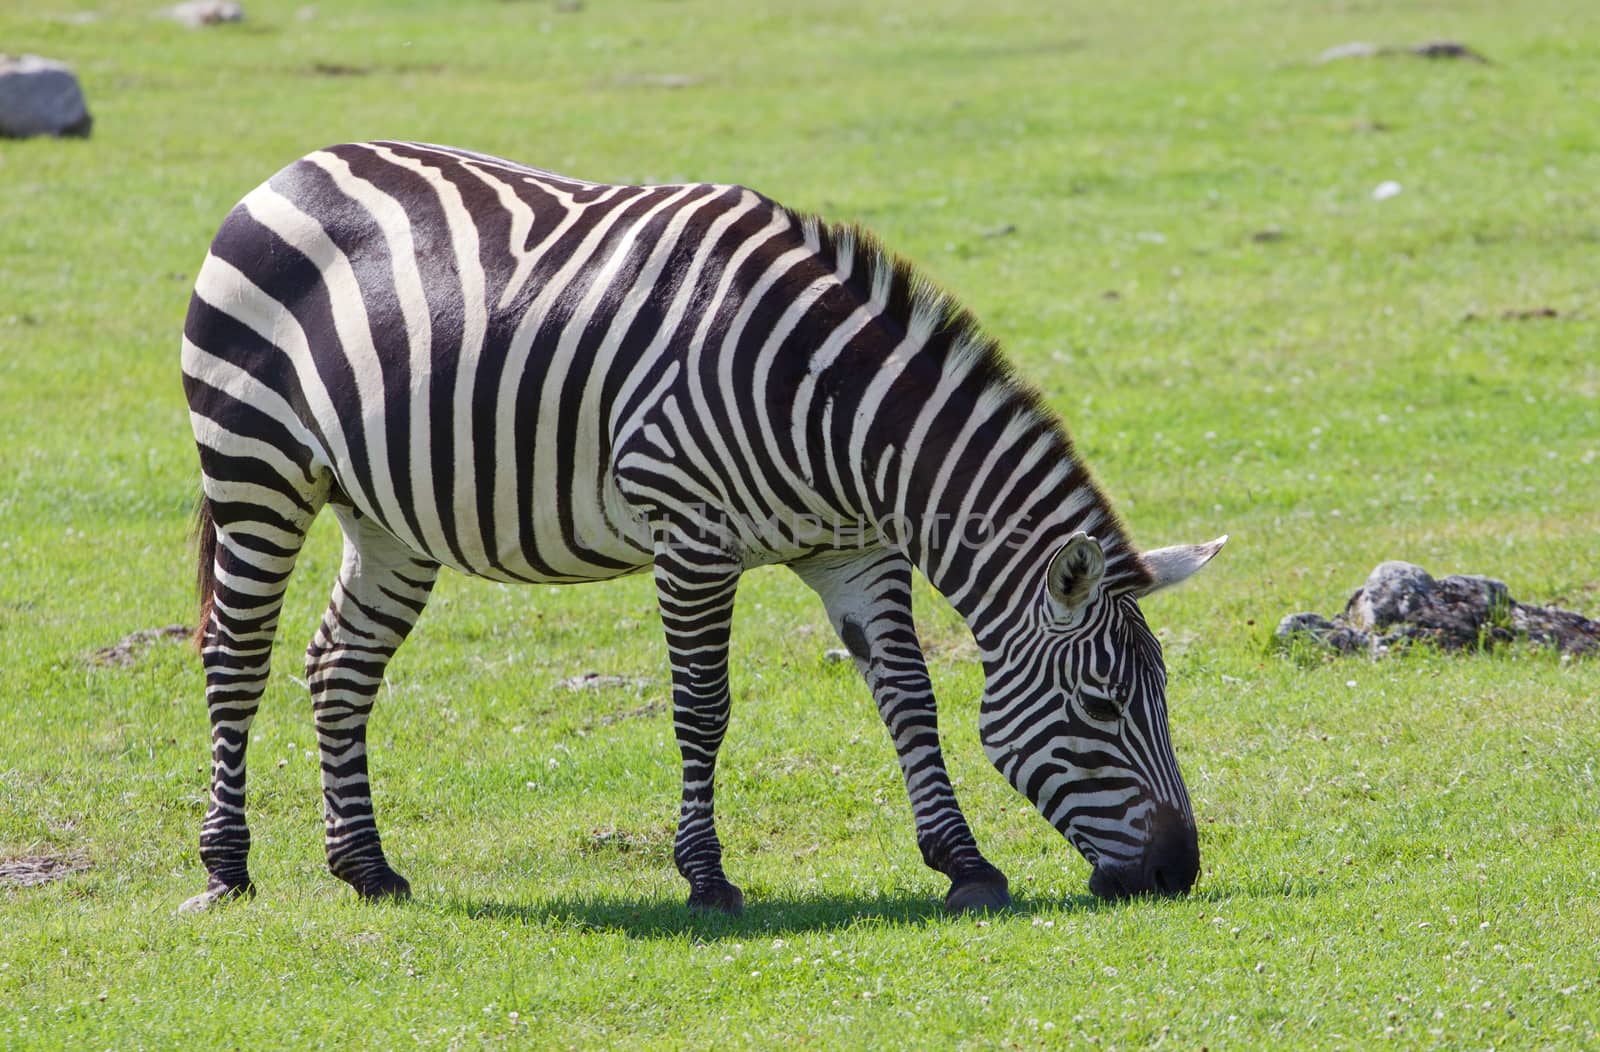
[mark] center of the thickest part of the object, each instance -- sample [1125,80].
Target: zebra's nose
[1173,860]
[1170,864]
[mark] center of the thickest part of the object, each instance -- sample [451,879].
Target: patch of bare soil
[33,870]
[126,650]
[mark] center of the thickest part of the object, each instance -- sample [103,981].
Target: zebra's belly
[546,531]
[520,503]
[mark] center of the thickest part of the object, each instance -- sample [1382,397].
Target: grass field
[1167,217]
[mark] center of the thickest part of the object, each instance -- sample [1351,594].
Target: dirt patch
[1517,314]
[31,871]
[1432,49]
[339,69]
[126,651]
[649,708]
[650,843]
[603,681]
[670,81]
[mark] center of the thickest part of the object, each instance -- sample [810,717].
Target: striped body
[526,377]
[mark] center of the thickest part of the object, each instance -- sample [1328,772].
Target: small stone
[1354,49]
[1386,189]
[1320,630]
[199,13]
[1447,49]
[39,96]
[836,655]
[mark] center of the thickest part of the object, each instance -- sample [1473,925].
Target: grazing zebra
[527,377]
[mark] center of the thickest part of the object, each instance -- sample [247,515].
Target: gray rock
[39,96]
[1552,626]
[1402,604]
[198,13]
[1394,591]
[1320,630]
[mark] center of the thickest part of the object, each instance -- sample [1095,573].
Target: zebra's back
[458,346]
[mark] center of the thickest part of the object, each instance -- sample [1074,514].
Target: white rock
[39,96]
[1354,49]
[199,13]
[1385,190]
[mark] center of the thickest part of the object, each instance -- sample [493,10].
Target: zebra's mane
[919,304]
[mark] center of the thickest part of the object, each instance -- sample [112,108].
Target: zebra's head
[1075,717]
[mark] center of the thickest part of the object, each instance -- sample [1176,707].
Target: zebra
[528,377]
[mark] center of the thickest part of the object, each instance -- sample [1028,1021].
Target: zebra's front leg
[381,591]
[695,588]
[868,598]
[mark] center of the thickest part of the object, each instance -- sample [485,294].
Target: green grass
[1402,852]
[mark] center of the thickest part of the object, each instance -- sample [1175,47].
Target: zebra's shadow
[656,918]
[647,917]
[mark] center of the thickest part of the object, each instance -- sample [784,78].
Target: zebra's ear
[1174,565]
[1074,574]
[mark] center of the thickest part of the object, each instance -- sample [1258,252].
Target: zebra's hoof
[718,898]
[384,886]
[218,892]
[980,895]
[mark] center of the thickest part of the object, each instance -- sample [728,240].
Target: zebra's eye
[1100,703]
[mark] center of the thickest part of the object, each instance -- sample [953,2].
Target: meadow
[1166,215]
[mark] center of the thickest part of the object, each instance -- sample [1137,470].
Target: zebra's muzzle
[1169,866]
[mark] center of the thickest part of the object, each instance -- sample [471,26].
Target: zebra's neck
[983,488]
[949,453]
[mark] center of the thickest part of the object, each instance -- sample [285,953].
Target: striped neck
[992,492]
[955,458]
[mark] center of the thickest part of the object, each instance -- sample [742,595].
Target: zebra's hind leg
[868,598]
[695,588]
[381,591]
[247,554]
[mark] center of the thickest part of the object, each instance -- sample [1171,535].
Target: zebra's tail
[205,537]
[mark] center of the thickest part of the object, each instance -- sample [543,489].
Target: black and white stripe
[528,377]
